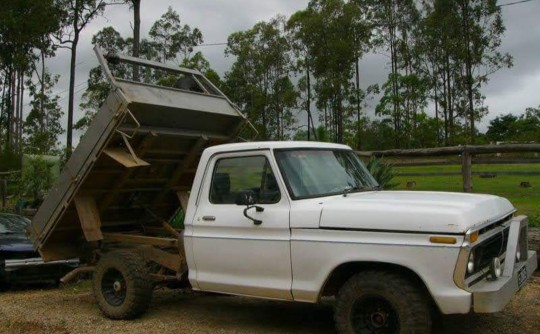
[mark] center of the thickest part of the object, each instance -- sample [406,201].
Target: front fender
[317,253]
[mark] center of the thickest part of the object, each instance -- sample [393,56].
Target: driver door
[232,254]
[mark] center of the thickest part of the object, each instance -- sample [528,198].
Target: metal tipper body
[133,168]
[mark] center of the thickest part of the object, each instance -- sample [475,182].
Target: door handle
[209,218]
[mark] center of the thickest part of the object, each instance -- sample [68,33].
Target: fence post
[466,170]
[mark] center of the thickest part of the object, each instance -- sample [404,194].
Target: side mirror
[246,197]
[249,199]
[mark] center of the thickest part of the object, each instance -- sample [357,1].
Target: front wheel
[382,303]
[122,285]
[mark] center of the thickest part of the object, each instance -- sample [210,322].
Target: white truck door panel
[231,253]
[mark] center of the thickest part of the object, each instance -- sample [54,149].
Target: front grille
[495,225]
[490,248]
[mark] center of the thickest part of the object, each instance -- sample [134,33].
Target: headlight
[518,256]
[470,264]
[495,268]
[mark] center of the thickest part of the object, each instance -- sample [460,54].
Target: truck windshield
[312,173]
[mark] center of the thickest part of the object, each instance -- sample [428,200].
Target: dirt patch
[73,310]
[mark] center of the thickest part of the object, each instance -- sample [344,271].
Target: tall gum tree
[259,77]
[76,16]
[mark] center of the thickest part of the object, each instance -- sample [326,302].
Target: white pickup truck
[316,225]
[293,221]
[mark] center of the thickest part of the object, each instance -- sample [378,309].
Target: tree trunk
[358,108]
[2,105]
[21,115]
[69,140]
[450,102]
[136,35]
[11,110]
[436,90]
[76,32]
[17,119]
[42,95]
[308,104]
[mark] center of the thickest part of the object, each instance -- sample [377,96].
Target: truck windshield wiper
[351,189]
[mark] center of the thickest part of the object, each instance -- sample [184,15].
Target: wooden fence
[4,178]
[466,152]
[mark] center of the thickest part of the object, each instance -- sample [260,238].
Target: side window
[232,175]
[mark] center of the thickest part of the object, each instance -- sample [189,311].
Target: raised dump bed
[134,166]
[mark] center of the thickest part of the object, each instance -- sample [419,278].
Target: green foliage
[511,128]
[42,125]
[172,39]
[502,127]
[177,221]
[534,220]
[98,87]
[36,178]
[169,39]
[330,36]
[460,42]
[9,161]
[259,80]
[383,172]
[322,134]
[24,26]
[200,63]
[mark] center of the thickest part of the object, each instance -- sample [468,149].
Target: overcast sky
[509,91]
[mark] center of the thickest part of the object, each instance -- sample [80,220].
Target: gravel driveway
[72,310]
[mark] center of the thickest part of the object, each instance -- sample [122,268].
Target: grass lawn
[526,200]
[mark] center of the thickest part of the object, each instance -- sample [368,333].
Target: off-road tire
[137,284]
[410,304]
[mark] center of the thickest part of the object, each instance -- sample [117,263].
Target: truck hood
[412,211]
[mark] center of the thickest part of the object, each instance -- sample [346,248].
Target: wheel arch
[343,272]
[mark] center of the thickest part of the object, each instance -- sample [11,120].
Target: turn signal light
[474,236]
[443,240]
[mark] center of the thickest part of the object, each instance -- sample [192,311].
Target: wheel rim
[113,287]
[374,314]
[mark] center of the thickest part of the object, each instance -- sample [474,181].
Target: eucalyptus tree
[299,31]
[25,26]
[77,14]
[258,80]
[333,35]
[172,39]
[461,47]
[481,30]
[395,24]
[42,125]
[98,87]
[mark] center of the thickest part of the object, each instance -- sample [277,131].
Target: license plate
[522,276]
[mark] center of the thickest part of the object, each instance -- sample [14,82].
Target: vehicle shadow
[241,315]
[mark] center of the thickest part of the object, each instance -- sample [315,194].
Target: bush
[36,178]
[383,172]
[534,220]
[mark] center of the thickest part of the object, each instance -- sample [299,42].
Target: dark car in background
[19,262]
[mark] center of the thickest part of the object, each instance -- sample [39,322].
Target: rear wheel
[383,303]
[122,285]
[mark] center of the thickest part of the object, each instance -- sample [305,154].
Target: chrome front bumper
[12,265]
